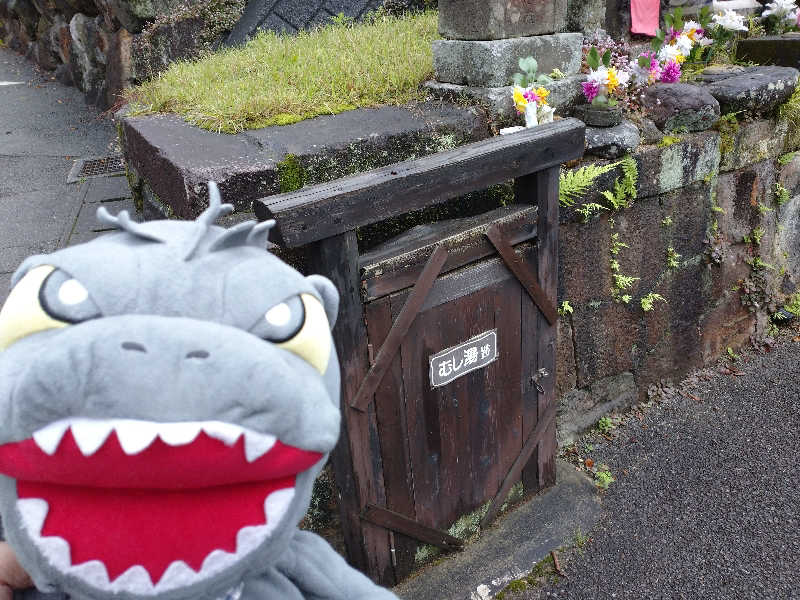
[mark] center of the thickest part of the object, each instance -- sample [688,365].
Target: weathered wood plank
[534,439]
[465,281]
[320,211]
[422,412]
[505,408]
[397,522]
[523,273]
[358,472]
[390,411]
[397,264]
[399,330]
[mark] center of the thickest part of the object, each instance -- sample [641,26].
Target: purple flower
[673,34]
[671,72]
[590,89]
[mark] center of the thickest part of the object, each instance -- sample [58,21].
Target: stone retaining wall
[698,206]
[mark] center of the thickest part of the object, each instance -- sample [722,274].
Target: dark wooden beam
[402,524]
[523,273]
[321,211]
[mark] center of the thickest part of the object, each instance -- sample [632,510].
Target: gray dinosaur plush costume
[168,393]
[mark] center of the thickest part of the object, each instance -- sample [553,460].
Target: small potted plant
[601,89]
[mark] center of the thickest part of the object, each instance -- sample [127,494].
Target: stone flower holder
[597,116]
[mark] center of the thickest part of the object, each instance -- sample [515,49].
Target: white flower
[684,44]
[668,53]
[704,41]
[690,26]
[624,78]
[640,76]
[780,8]
[730,20]
[600,77]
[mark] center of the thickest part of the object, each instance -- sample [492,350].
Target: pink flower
[672,35]
[590,90]
[671,73]
[531,96]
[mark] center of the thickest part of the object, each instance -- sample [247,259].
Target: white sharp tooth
[135,580]
[216,561]
[276,505]
[178,574]
[90,434]
[55,550]
[225,432]
[251,537]
[94,573]
[32,513]
[257,445]
[178,434]
[48,438]
[135,436]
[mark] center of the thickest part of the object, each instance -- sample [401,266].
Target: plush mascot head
[168,393]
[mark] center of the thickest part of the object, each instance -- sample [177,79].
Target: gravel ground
[705,502]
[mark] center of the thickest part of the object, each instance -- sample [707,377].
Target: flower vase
[546,114]
[531,116]
[599,116]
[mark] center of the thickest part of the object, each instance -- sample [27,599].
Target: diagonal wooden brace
[523,273]
[399,330]
[402,524]
[516,469]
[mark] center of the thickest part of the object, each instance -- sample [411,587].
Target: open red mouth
[141,507]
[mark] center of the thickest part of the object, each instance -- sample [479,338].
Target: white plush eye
[279,315]
[72,292]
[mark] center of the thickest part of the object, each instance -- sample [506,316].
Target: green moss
[728,127]
[668,140]
[785,159]
[789,112]
[291,174]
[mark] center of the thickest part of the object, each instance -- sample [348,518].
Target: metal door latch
[540,374]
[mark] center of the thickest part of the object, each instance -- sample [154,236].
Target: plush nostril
[197,354]
[135,347]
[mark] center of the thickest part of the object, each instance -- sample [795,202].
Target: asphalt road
[44,126]
[706,502]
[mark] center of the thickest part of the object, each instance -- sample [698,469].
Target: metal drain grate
[100,166]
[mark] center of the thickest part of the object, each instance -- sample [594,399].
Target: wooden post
[358,470]
[542,189]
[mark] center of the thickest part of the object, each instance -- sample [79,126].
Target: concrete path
[44,126]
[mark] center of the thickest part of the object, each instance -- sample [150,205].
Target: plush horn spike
[259,235]
[233,237]
[124,222]
[216,208]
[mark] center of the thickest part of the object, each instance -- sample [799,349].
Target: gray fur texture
[180,289]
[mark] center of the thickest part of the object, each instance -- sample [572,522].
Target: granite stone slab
[500,19]
[493,63]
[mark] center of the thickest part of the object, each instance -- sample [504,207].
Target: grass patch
[280,79]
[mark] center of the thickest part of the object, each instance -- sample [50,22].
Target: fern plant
[624,191]
[574,184]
